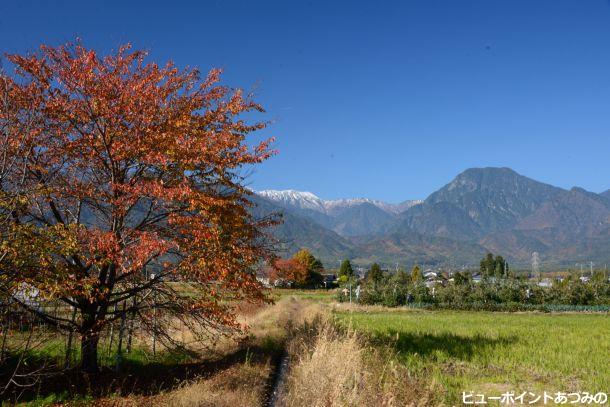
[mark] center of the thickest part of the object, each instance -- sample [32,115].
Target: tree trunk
[89,341]
[89,352]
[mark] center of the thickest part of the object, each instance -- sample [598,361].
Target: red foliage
[289,270]
[137,165]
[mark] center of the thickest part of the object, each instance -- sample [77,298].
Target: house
[546,283]
[264,281]
[429,274]
[28,295]
[329,280]
[360,272]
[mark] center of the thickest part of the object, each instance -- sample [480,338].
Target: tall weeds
[334,367]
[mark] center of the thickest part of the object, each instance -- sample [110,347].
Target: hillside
[297,232]
[493,199]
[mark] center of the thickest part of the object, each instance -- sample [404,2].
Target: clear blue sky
[386,100]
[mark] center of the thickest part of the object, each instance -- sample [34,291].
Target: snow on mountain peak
[300,199]
[307,200]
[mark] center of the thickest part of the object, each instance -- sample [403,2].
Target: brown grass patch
[333,367]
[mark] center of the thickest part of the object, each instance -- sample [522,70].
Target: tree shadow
[455,346]
[135,377]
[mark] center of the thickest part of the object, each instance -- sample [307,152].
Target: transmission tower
[536,265]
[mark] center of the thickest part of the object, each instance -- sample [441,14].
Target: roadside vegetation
[331,366]
[227,372]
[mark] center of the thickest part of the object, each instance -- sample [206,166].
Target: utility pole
[350,293]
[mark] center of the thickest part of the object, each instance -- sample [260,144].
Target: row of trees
[571,291]
[491,266]
[401,288]
[111,166]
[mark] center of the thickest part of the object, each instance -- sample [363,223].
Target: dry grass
[241,385]
[330,367]
[246,382]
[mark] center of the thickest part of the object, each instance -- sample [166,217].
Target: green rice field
[492,353]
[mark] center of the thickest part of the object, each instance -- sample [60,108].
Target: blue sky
[386,100]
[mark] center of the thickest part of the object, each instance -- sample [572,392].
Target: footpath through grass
[494,352]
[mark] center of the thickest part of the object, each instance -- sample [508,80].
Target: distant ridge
[307,200]
[347,217]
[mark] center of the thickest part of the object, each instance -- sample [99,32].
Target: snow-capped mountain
[347,217]
[296,199]
[384,206]
[306,200]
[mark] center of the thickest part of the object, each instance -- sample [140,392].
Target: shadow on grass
[136,377]
[455,346]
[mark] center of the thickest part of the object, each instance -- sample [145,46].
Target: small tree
[416,275]
[488,265]
[401,278]
[313,266]
[499,267]
[346,269]
[289,270]
[374,275]
[461,278]
[494,267]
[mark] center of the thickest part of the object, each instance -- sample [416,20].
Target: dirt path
[279,382]
[291,311]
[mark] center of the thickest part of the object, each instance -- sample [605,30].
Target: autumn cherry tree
[126,177]
[289,271]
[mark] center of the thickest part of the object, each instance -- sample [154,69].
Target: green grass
[51,347]
[494,352]
[315,295]
[49,350]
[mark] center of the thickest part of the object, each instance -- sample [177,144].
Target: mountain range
[347,217]
[480,210]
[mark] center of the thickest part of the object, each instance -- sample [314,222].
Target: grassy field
[324,296]
[493,352]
